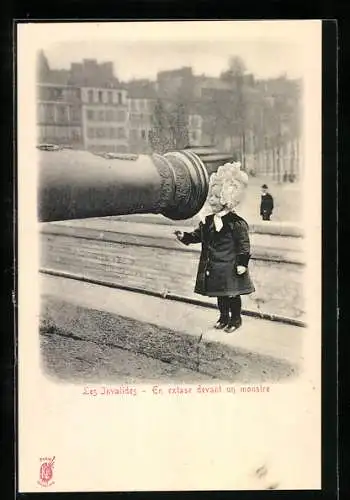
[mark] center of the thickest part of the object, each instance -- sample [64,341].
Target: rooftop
[186,70]
[142,92]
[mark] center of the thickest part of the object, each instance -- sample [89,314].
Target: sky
[144,58]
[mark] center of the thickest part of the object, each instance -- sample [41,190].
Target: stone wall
[161,265]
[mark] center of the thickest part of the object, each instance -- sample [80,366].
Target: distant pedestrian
[224,235]
[266,205]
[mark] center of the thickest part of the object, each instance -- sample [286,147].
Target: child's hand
[241,269]
[179,235]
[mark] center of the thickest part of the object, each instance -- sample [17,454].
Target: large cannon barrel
[79,184]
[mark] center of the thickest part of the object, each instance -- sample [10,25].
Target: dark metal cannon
[79,184]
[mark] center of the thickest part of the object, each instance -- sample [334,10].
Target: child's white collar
[217,217]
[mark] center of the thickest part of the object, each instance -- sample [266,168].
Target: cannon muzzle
[79,184]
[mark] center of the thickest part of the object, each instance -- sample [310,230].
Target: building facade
[140,121]
[59,115]
[195,128]
[105,118]
[87,107]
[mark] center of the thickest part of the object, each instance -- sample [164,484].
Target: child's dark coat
[221,253]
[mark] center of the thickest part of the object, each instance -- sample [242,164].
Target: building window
[49,132]
[207,93]
[143,134]
[100,132]
[75,134]
[42,94]
[90,114]
[121,133]
[111,133]
[50,113]
[41,134]
[90,95]
[44,133]
[109,115]
[57,94]
[110,97]
[62,114]
[60,133]
[101,116]
[121,116]
[134,105]
[75,114]
[134,134]
[100,96]
[194,136]
[120,98]
[41,113]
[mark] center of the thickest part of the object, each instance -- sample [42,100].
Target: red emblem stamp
[46,471]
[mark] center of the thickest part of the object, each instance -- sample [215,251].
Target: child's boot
[235,305]
[224,308]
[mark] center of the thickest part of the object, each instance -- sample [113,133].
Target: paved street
[125,225]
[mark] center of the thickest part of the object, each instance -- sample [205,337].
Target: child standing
[223,265]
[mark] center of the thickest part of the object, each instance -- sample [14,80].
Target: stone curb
[272,227]
[165,241]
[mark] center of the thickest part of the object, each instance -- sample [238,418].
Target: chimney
[107,70]
[43,68]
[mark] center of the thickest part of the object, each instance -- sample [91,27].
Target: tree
[219,121]
[236,69]
[179,126]
[234,76]
[159,134]
[169,127]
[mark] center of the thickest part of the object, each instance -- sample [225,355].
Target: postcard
[169,255]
